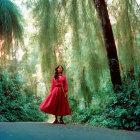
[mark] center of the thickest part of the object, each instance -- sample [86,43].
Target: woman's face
[59,69]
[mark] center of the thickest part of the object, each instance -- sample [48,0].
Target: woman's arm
[52,84]
[65,85]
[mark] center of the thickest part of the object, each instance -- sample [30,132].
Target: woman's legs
[61,120]
[55,121]
[55,117]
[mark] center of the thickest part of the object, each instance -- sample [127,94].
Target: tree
[10,26]
[110,46]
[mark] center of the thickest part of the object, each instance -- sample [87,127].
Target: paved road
[47,131]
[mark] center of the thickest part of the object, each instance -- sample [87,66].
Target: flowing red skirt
[56,103]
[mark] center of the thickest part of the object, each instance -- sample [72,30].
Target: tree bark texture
[110,46]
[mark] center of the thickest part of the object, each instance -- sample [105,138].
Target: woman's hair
[56,71]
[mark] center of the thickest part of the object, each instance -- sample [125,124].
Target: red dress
[56,103]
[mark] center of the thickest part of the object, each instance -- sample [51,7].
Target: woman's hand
[66,95]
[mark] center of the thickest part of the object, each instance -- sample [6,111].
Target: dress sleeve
[52,84]
[65,85]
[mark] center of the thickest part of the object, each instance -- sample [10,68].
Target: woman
[56,102]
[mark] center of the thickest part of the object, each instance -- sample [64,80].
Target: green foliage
[11,24]
[74,26]
[17,102]
[126,30]
[116,111]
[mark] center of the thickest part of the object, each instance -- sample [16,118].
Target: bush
[16,102]
[115,110]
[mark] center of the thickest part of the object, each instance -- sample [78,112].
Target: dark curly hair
[56,71]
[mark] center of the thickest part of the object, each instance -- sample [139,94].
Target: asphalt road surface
[47,131]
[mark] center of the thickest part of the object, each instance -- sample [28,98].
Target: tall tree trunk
[110,46]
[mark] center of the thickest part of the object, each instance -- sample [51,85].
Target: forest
[96,41]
